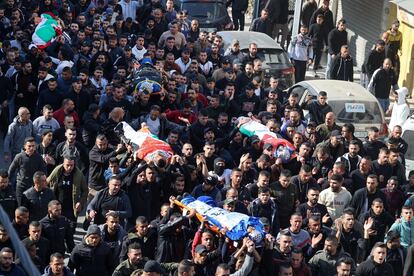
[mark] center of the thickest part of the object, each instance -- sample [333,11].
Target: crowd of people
[338,205]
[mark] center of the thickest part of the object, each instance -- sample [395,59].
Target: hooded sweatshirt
[17,132]
[406,231]
[400,110]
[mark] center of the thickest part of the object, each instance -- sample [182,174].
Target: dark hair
[4,173]
[350,127]
[37,175]
[141,220]
[29,140]
[56,255]
[332,238]
[342,20]
[373,129]
[373,176]
[185,266]
[263,190]
[35,223]
[134,246]
[377,200]
[223,266]
[337,177]
[349,211]
[306,168]
[344,260]
[53,203]
[286,173]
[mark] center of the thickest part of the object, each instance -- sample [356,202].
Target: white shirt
[139,54]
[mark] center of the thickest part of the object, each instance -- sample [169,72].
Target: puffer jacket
[91,261]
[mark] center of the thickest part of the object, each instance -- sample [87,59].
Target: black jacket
[91,261]
[59,231]
[317,33]
[167,249]
[98,163]
[374,61]
[82,100]
[42,248]
[239,5]
[371,268]
[261,26]
[317,112]
[26,166]
[360,197]
[381,82]
[103,202]
[79,151]
[148,244]
[37,202]
[342,69]
[8,201]
[328,22]
[91,127]
[336,39]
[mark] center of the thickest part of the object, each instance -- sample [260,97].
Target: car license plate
[355,107]
[361,134]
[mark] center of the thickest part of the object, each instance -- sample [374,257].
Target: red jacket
[173,116]
[59,115]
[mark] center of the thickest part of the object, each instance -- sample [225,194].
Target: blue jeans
[384,103]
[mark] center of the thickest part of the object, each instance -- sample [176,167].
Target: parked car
[211,14]
[275,60]
[350,102]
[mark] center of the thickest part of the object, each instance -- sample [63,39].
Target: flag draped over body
[46,31]
[283,149]
[148,147]
[238,225]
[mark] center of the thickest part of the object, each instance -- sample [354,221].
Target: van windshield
[205,11]
[361,112]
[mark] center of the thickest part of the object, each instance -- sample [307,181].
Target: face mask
[219,170]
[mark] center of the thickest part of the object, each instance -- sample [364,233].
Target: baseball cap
[335,133]
[264,221]
[254,139]
[109,11]
[86,44]
[200,249]
[153,266]
[127,48]
[229,70]
[226,60]
[229,201]
[237,62]
[211,180]
[267,146]
[312,124]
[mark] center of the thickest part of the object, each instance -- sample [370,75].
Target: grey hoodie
[17,132]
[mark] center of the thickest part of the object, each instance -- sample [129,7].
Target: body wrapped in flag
[237,225]
[146,145]
[46,30]
[283,149]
